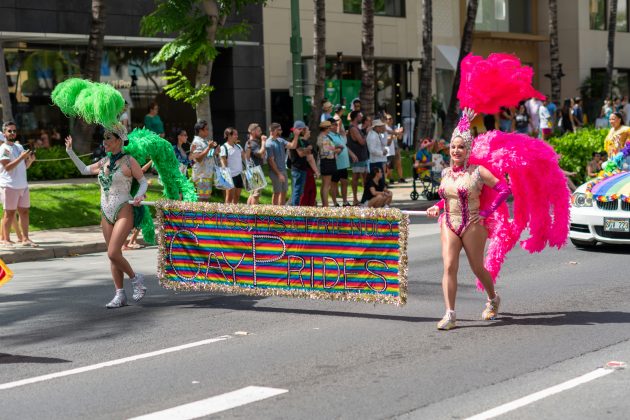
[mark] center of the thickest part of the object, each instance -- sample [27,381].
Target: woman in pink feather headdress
[474,188]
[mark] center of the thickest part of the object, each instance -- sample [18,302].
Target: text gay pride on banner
[340,254]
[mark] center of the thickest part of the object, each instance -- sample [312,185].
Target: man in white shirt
[14,161]
[544,119]
[202,155]
[377,145]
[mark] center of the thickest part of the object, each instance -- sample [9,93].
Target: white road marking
[116,362]
[521,402]
[214,404]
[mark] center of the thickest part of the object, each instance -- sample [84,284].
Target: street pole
[296,58]
[340,75]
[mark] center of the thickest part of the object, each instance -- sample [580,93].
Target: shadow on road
[561,318]
[6,359]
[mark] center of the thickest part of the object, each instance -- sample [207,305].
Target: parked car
[594,221]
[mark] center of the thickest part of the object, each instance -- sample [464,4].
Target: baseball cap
[325,124]
[298,124]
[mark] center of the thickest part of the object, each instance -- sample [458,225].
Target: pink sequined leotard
[460,189]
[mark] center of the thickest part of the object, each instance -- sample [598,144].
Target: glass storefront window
[395,8]
[504,16]
[34,72]
[598,12]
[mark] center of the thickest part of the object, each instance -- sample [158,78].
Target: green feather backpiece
[96,103]
[65,94]
[145,145]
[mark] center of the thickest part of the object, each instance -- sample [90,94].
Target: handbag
[223,178]
[253,177]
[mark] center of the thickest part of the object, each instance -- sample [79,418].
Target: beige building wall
[394,38]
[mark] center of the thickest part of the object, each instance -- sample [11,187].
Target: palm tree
[554,52]
[94,54]
[83,132]
[319,53]
[367,57]
[426,70]
[610,56]
[5,99]
[464,49]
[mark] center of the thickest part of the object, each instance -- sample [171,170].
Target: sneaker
[119,300]
[402,180]
[492,309]
[138,287]
[448,322]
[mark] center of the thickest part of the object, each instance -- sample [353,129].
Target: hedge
[577,149]
[58,167]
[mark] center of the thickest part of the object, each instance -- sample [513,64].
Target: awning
[82,39]
[446,57]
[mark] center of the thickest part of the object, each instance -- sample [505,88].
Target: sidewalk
[60,243]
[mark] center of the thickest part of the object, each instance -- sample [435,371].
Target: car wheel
[583,244]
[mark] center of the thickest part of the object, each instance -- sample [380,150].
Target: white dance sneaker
[119,300]
[138,287]
[492,309]
[448,322]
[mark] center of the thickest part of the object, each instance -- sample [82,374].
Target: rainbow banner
[612,188]
[340,254]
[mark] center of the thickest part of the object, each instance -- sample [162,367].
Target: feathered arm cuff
[503,192]
[440,204]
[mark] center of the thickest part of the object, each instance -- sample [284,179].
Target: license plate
[616,225]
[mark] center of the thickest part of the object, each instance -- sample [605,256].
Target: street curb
[20,254]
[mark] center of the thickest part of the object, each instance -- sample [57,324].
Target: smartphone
[398,126]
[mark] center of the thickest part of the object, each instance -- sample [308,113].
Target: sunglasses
[12,131]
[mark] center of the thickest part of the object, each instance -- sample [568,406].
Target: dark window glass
[622,15]
[597,11]
[504,16]
[395,8]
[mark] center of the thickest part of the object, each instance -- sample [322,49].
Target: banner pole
[407,212]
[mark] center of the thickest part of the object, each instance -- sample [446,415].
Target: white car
[595,221]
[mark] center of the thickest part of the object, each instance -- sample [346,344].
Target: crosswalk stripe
[214,404]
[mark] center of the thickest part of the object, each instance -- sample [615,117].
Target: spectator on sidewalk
[327,159]
[408,115]
[277,158]
[521,120]
[14,193]
[181,138]
[232,158]
[202,156]
[375,194]
[299,161]
[309,195]
[594,166]
[377,146]
[544,121]
[533,110]
[343,163]
[326,111]
[255,152]
[358,145]
[566,119]
[152,120]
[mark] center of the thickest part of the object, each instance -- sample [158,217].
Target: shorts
[279,187]
[238,181]
[328,167]
[362,167]
[340,174]
[14,198]
[390,161]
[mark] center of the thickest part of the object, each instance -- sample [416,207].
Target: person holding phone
[14,161]
[202,152]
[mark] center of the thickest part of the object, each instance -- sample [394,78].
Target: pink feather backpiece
[500,80]
[539,188]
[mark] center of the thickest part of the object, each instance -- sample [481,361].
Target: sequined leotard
[115,189]
[460,190]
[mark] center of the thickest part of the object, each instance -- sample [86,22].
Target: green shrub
[577,149]
[53,163]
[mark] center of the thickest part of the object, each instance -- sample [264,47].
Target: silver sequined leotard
[460,191]
[115,189]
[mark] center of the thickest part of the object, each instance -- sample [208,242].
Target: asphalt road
[564,315]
